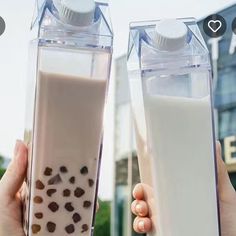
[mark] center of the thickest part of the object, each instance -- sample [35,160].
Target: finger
[142,225]
[139,208]
[138,192]
[226,190]
[15,173]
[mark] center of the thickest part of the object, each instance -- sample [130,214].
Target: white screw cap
[77,12]
[170,35]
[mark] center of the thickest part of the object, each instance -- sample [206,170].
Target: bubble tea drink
[69,72]
[170,82]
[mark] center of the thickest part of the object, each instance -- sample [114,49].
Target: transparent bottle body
[64,128]
[69,69]
[175,142]
[172,113]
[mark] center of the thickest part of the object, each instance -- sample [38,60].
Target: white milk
[180,143]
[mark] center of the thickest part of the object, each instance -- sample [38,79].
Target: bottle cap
[77,12]
[170,35]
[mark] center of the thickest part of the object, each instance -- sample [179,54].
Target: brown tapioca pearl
[39,215]
[66,193]
[38,199]
[87,204]
[84,228]
[55,180]
[76,217]
[39,185]
[63,169]
[72,180]
[51,227]
[79,192]
[84,170]
[53,206]
[90,182]
[50,192]
[48,171]
[70,229]
[35,228]
[69,207]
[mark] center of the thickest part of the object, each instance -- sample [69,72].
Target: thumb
[15,173]
[226,190]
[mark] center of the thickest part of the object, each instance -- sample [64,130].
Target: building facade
[223,55]
[126,164]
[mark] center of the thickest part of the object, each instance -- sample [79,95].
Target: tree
[2,170]
[1,160]
[102,226]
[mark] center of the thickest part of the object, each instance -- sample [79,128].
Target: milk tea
[67,139]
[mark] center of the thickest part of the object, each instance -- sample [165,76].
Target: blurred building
[126,164]
[4,162]
[223,54]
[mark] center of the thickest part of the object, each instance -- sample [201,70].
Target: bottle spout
[170,35]
[76,12]
[79,13]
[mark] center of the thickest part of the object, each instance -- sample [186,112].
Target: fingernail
[138,208]
[17,145]
[141,226]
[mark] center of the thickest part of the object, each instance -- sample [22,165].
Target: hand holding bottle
[10,187]
[227,195]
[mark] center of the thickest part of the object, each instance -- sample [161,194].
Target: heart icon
[214,25]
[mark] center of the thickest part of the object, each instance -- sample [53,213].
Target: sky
[14,63]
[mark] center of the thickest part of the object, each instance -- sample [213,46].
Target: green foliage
[2,171]
[103,219]
[1,160]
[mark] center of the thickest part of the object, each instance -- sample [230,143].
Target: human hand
[10,201]
[227,197]
[10,189]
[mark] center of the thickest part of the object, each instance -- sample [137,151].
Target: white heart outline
[214,22]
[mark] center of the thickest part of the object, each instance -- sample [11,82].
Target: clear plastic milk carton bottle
[69,73]
[170,81]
